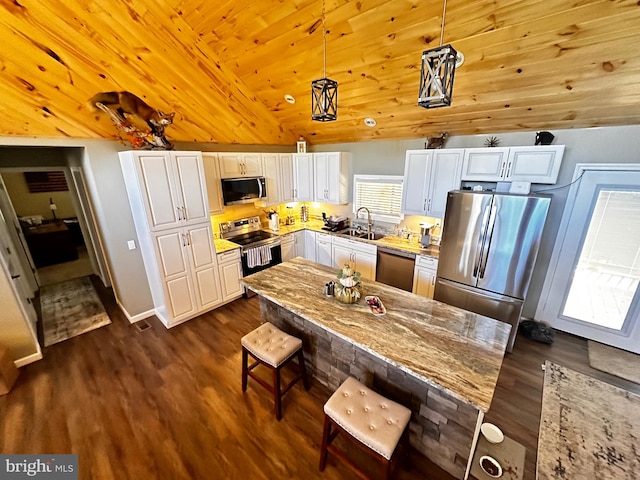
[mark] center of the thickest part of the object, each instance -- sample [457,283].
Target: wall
[586,145]
[106,186]
[27,203]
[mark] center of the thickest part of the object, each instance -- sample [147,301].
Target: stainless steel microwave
[243,190]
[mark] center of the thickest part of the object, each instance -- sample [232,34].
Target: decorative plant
[347,290]
[492,142]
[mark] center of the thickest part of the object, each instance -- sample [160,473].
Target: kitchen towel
[259,256]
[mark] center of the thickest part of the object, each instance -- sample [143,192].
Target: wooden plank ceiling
[224,66]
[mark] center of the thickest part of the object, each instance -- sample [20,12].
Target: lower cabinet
[424,275]
[361,256]
[324,253]
[230,269]
[299,239]
[188,272]
[288,245]
[310,245]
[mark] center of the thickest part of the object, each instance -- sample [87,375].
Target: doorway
[592,287]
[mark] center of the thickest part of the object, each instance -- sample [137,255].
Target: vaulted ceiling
[224,66]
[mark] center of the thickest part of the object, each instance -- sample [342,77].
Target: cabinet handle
[184,213]
[295,193]
[502,169]
[509,169]
[433,280]
[424,205]
[188,238]
[184,241]
[179,213]
[429,205]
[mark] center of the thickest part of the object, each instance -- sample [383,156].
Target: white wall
[585,145]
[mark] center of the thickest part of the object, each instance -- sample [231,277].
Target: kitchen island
[438,360]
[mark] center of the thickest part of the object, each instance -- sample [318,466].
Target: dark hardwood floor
[167,404]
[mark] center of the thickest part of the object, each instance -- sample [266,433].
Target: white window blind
[381,194]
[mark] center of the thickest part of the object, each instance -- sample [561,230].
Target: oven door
[276,258]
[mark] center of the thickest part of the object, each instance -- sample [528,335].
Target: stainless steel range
[259,249]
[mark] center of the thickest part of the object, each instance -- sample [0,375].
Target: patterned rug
[588,428]
[612,360]
[69,309]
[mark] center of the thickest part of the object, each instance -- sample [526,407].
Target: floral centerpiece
[348,287]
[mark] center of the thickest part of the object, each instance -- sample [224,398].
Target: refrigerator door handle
[481,241]
[489,237]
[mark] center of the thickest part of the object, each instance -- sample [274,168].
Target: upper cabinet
[303,177]
[331,173]
[212,176]
[173,187]
[278,172]
[234,165]
[428,176]
[536,164]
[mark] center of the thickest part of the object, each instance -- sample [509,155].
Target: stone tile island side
[438,360]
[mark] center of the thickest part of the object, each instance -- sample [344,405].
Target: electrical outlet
[131,244]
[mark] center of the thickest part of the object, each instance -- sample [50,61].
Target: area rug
[69,309]
[588,428]
[612,360]
[509,454]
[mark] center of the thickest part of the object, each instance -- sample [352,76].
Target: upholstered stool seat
[273,348]
[367,417]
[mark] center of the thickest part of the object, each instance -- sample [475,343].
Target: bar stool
[274,349]
[369,420]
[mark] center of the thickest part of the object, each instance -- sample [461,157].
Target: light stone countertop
[388,241]
[458,351]
[224,245]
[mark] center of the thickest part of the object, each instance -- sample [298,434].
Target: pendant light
[324,92]
[437,72]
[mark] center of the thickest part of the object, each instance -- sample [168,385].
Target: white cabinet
[361,256]
[536,164]
[428,176]
[178,252]
[300,244]
[234,165]
[278,173]
[540,164]
[331,176]
[230,269]
[424,275]
[324,253]
[212,180]
[310,245]
[288,246]
[173,187]
[303,177]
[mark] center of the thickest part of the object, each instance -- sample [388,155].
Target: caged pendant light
[324,92]
[437,72]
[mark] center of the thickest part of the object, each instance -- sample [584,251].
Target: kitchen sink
[350,232]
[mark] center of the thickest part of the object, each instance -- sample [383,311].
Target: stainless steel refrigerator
[488,250]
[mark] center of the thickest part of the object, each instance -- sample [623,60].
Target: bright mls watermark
[50,467]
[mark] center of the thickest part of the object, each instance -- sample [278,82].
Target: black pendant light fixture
[437,72]
[324,92]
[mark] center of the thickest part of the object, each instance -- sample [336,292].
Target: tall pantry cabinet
[168,197]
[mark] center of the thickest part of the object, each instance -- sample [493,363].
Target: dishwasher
[395,268]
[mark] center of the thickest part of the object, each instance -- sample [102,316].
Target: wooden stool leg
[245,354]
[325,440]
[277,396]
[305,378]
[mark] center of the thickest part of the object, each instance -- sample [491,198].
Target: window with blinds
[381,194]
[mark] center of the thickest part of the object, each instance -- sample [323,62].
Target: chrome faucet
[369,222]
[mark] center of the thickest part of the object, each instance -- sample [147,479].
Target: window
[381,194]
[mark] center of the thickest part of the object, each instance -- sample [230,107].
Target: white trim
[569,205]
[139,316]
[34,357]
[474,443]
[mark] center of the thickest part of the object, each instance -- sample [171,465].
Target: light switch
[131,244]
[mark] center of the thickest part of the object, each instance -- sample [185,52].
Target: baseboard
[34,357]
[139,316]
